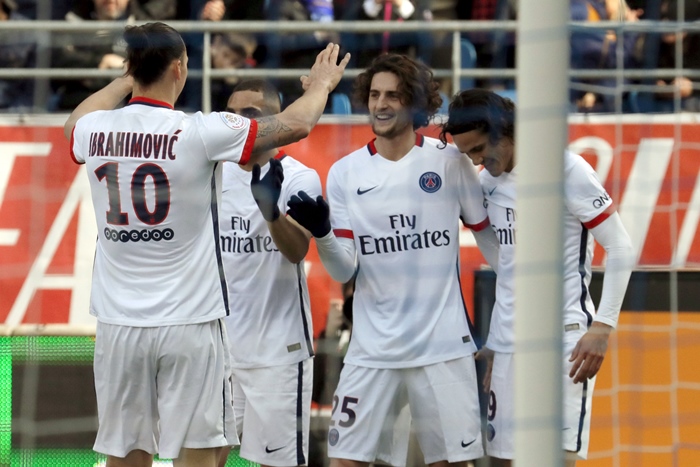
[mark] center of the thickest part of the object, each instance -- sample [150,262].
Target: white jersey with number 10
[155,177]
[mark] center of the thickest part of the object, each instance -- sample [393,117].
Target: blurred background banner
[650,164]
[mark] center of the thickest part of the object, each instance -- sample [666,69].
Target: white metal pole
[541,136]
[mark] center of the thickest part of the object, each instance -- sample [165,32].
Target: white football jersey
[155,179]
[586,205]
[270,318]
[408,308]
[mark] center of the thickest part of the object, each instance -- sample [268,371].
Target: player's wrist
[271,214]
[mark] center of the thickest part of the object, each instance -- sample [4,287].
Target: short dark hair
[418,89]
[151,48]
[270,93]
[483,110]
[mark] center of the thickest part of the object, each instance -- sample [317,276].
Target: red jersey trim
[72,141]
[249,143]
[478,227]
[372,147]
[596,221]
[149,101]
[280,155]
[344,233]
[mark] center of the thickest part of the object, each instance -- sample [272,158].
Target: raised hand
[326,71]
[266,191]
[313,215]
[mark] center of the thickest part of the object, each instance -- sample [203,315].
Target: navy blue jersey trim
[226,381]
[582,416]
[215,223]
[307,335]
[583,248]
[472,328]
[301,459]
[371,148]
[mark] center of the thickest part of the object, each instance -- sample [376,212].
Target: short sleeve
[306,180]
[340,219]
[76,148]
[472,210]
[226,136]
[585,196]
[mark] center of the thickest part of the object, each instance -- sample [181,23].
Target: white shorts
[500,409]
[369,420]
[160,389]
[273,407]
[578,401]
[500,435]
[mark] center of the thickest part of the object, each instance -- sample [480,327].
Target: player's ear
[176,67]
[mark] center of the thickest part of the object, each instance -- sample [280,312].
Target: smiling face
[496,158]
[388,116]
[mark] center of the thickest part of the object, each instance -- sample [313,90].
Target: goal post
[540,140]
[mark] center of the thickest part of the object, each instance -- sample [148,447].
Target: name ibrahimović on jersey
[370,245]
[132,144]
[244,243]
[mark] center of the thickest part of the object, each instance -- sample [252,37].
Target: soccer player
[269,326]
[482,125]
[395,207]
[161,353]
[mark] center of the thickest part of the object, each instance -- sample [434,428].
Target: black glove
[314,216]
[266,191]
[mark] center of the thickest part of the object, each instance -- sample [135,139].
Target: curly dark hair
[418,88]
[483,110]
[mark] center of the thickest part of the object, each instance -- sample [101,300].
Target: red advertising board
[650,166]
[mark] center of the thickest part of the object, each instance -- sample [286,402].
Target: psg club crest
[430,182]
[333,437]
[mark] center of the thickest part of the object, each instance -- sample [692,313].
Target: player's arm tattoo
[270,125]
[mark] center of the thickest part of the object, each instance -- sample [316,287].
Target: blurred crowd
[590,48]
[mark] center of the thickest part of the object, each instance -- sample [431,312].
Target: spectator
[229,51]
[596,49]
[150,10]
[17,50]
[365,46]
[96,49]
[688,90]
[295,50]
[493,49]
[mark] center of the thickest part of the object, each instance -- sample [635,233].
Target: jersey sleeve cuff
[610,322]
[479,226]
[597,220]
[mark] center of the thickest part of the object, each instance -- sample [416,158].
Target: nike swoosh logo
[362,192]
[468,444]
[491,191]
[268,450]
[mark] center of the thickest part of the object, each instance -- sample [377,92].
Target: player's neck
[396,147]
[156,92]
